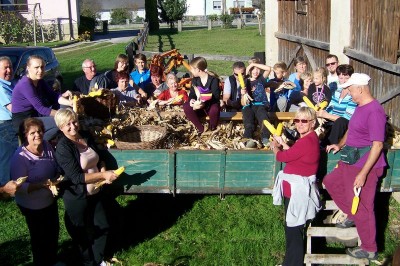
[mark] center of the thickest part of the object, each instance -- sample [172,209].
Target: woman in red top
[302,160]
[173,95]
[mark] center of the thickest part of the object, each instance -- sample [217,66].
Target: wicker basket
[141,137]
[101,107]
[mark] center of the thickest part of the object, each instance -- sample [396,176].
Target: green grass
[186,229]
[202,41]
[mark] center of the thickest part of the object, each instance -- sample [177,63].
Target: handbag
[350,155]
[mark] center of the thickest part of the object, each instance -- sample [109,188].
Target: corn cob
[356,200]
[241,81]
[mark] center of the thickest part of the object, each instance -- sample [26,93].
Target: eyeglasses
[330,64]
[90,66]
[303,121]
[237,74]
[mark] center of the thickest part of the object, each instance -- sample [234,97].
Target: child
[296,98]
[276,86]
[204,95]
[259,106]
[319,91]
[140,76]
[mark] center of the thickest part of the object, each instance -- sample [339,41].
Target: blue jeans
[8,145]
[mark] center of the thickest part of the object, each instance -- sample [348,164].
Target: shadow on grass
[15,252]
[144,218]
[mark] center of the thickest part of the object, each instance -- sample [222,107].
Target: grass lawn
[186,229]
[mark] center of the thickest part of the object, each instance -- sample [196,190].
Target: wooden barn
[363,33]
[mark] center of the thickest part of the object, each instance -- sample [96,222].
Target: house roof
[108,5]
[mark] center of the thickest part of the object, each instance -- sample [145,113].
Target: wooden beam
[372,61]
[310,57]
[389,95]
[309,42]
[293,55]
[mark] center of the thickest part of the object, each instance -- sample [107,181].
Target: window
[217,5]
[301,7]
[241,4]
[19,5]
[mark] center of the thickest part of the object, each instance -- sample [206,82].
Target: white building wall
[206,7]
[56,12]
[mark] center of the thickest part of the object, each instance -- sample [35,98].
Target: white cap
[356,79]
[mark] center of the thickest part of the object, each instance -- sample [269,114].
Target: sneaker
[251,144]
[345,224]
[359,253]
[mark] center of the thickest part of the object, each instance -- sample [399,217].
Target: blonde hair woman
[296,182]
[81,163]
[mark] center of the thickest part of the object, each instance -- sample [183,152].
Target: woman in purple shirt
[32,97]
[35,160]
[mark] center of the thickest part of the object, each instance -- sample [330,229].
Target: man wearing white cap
[365,136]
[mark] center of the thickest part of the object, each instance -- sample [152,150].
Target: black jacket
[68,158]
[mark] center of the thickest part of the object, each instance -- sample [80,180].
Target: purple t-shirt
[367,125]
[38,169]
[26,97]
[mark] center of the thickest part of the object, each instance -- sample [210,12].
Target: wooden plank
[332,232]
[333,259]
[372,61]
[309,57]
[330,205]
[314,43]
[389,95]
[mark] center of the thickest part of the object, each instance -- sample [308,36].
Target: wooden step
[333,259]
[330,205]
[331,232]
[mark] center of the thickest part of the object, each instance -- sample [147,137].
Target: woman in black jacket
[85,218]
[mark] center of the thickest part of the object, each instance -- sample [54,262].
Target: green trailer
[215,172]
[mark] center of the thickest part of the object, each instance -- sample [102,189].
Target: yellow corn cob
[109,127]
[95,93]
[110,142]
[177,99]
[119,170]
[354,206]
[270,127]
[75,104]
[356,200]
[241,81]
[309,103]
[322,105]
[279,129]
[21,180]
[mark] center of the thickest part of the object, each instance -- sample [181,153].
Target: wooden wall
[376,39]
[374,48]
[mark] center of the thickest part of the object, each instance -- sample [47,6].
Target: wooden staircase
[331,231]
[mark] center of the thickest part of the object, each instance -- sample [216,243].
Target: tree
[90,8]
[119,16]
[150,7]
[174,10]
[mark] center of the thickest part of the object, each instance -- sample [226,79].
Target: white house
[210,7]
[135,7]
[63,13]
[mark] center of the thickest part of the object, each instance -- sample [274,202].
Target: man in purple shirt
[366,131]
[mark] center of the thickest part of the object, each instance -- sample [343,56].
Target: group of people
[31,115]
[31,110]
[361,121]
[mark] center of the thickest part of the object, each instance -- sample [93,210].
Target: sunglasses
[330,64]
[303,121]
[237,74]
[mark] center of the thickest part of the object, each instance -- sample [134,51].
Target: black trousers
[338,129]
[252,113]
[87,225]
[294,255]
[44,227]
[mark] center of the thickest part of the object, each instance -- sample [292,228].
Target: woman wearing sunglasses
[296,183]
